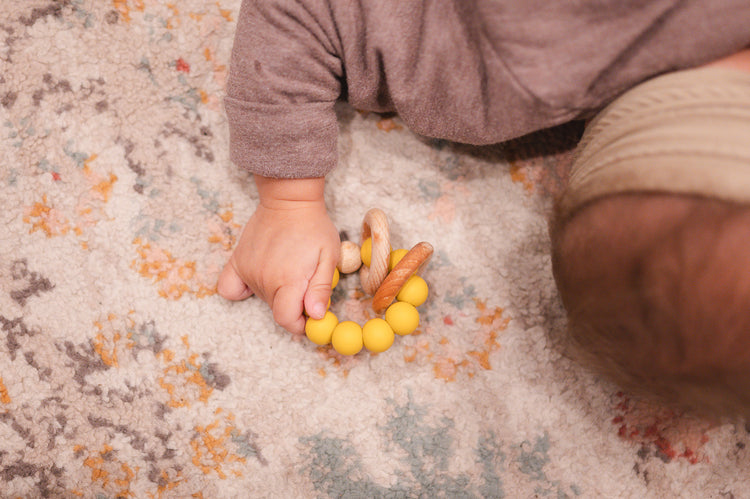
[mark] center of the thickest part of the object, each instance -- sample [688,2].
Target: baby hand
[286,254]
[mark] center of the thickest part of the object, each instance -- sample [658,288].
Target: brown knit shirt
[473,71]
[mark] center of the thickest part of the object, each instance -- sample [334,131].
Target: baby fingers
[319,290]
[230,285]
[287,308]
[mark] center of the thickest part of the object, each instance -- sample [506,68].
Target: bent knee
[656,288]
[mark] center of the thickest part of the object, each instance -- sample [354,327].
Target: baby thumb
[230,285]
[319,291]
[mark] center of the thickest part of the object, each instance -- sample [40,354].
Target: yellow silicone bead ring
[395,268]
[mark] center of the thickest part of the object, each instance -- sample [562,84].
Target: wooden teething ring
[375,226]
[409,265]
[377,335]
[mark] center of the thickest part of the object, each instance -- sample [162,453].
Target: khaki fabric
[686,132]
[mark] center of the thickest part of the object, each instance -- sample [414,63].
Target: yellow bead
[366,252]
[413,291]
[347,338]
[396,256]
[377,335]
[402,317]
[335,278]
[319,331]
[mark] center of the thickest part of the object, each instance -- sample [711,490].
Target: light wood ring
[375,226]
[409,265]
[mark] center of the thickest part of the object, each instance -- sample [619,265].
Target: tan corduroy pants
[686,132]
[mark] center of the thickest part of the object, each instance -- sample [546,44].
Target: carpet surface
[123,374]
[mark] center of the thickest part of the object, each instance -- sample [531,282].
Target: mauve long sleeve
[473,71]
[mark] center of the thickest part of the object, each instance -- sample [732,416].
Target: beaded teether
[385,274]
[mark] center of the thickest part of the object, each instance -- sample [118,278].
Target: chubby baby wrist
[276,193]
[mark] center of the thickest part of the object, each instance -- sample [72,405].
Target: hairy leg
[657,289]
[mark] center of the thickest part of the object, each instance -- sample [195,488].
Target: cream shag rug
[123,374]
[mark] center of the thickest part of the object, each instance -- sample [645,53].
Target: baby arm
[287,252]
[283,82]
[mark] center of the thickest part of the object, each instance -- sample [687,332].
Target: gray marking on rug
[85,362]
[137,440]
[52,87]
[643,474]
[15,328]
[10,40]
[532,460]
[213,376]
[44,372]
[8,99]
[112,17]
[464,293]
[47,481]
[428,448]
[92,86]
[24,433]
[55,431]
[335,468]
[210,198]
[246,445]
[34,283]
[19,469]
[168,452]
[146,337]
[201,150]
[54,9]
[491,458]
[161,410]
[135,166]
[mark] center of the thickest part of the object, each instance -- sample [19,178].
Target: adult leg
[651,244]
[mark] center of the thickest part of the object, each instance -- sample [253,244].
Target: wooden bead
[409,265]
[349,259]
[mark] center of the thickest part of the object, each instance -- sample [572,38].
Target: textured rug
[123,374]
